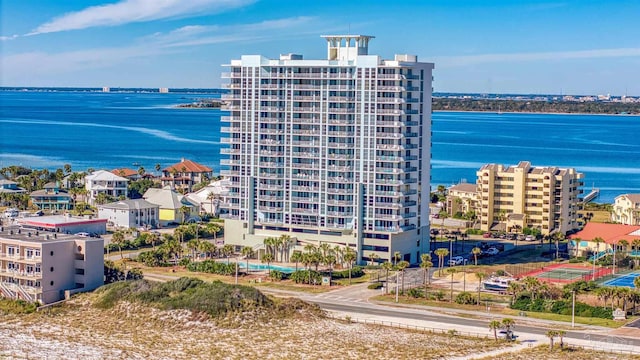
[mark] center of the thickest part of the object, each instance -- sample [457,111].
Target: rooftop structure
[185,174]
[171,204]
[137,213]
[44,267]
[65,224]
[334,150]
[105,182]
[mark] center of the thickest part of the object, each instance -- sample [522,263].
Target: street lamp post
[464,275]
[397,284]
[450,250]
[237,270]
[573,309]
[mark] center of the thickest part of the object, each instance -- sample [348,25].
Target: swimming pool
[626,280]
[263,267]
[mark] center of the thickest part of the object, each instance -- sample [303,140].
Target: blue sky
[573,47]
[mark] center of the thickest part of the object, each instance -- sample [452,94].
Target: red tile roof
[189,165]
[125,172]
[611,233]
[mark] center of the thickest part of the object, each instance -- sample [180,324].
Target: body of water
[112,130]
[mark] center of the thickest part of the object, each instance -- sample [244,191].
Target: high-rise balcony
[227,151]
[337,145]
[304,210]
[341,122]
[305,154]
[341,110]
[340,156]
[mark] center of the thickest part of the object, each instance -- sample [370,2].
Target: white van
[11,213]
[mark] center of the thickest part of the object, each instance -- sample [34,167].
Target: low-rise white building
[626,209]
[137,213]
[45,267]
[171,205]
[65,224]
[105,182]
[210,196]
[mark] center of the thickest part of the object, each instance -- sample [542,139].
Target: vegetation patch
[9,306]
[216,299]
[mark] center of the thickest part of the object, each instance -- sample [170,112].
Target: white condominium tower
[330,151]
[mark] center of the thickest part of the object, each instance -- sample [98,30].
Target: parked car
[499,246]
[456,260]
[83,234]
[492,251]
[486,235]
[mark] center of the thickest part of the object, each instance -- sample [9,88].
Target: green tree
[185,211]
[495,325]
[402,265]
[158,167]
[508,324]
[426,264]
[396,257]
[451,271]
[152,238]
[476,251]
[350,256]
[441,253]
[296,257]
[119,240]
[480,276]
[227,251]
[561,335]
[387,266]
[551,334]
[247,252]
[267,258]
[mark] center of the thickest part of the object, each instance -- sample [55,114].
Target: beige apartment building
[626,209]
[515,197]
[45,266]
[462,198]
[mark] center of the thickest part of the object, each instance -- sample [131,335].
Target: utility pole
[573,309]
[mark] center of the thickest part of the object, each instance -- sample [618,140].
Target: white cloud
[6,38]
[454,61]
[128,11]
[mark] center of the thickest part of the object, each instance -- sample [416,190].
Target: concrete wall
[93,263]
[58,272]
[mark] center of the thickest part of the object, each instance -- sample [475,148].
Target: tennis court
[565,273]
[626,280]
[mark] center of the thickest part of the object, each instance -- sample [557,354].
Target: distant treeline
[535,106]
[203,104]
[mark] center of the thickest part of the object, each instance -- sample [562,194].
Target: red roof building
[610,233]
[185,174]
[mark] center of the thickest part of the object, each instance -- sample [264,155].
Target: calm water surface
[110,130]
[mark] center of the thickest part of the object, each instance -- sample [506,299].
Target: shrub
[562,307]
[184,261]
[356,272]
[9,306]
[415,293]
[276,275]
[134,274]
[466,298]
[212,267]
[306,276]
[501,273]
[375,286]
[474,232]
[153,258]
[439,295]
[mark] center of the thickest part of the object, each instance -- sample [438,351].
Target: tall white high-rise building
[330,151]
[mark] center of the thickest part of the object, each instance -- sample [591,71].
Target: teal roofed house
[51,198]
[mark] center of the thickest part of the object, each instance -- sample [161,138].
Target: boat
[136,164]
[497,283]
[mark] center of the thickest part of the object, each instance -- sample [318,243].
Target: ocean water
[111,130]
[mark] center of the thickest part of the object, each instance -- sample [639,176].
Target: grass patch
[9,306]
[567,318]
[290,286]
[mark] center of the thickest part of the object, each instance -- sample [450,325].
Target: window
[51,269]
[51,283]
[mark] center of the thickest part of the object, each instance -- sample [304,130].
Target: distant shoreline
[202,104]
[531,112]
[536,107]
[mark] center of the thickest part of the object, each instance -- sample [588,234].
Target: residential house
[185,174]
[209,197]
[130,174]
[105,182]
[137,213]
[10,187]
[626,209]
[51,198]
[46,267]
[171,204]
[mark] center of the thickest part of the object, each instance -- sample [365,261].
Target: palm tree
[330,261]
[184,210]
[531,284]
[193,245]
[158,167]
[476,251]
[495,325]
[401,266]
[396,257]
[152,238]
[551,334]
[207,248]
[387,266]
[441,253]
[508,324]
[557,237]
[213,228]
[267,258]
[277,248]
[118,239]
[451,271]
[350,257]
[636,282]
[296,257]
[480,276]
[374,258]
[247,252]
[596,240]
[561,334]
[339,252]
[426,264]
[227,251]
[287,242]
[211,196]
